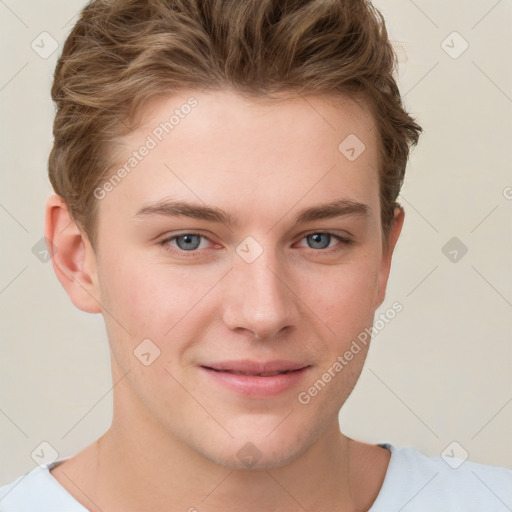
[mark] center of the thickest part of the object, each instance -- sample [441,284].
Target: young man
[226,176]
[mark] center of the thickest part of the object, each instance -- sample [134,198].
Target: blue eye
[185,243]
[319,240]
[322,241]
[188,242]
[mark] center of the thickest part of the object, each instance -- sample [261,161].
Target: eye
[188,242]
[319,240]
[185,242]
[322,240]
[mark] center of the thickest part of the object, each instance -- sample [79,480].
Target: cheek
[344,303]
[342,297]
[149,299]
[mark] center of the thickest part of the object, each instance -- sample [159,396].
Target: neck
[149,472]
[140,469]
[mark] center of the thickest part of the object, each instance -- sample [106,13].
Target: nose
[259,298]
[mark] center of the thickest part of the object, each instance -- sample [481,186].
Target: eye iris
[191,242]
[317,240]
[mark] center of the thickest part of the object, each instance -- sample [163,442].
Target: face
[242,243]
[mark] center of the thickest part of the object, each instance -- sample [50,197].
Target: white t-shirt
[413,483]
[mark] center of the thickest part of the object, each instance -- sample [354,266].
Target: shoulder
[415,481]
[37,490]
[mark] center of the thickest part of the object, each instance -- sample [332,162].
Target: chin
[251,458]
[257,451]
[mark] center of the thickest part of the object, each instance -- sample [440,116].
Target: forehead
[220,147]
[214,114]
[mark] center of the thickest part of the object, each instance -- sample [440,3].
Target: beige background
[440,372]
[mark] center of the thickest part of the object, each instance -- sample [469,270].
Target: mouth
[256,379]
[261,374]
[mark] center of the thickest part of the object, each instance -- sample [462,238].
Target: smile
[254,379]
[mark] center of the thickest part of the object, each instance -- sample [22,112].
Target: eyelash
[191,254]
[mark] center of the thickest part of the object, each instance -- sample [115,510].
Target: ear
[385,265]
[73,257]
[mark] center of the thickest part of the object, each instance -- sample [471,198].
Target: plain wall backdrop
[440,372]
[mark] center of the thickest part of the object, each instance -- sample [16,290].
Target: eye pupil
[190,242]
[316,239]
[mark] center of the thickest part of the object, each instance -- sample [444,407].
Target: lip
[249,383]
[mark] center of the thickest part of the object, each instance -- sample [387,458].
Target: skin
[175,432]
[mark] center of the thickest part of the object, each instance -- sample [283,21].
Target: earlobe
[73,258]
[385,267]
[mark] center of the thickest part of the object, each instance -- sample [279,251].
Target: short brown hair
[121,53]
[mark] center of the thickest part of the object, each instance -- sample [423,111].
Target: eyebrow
[333,209]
